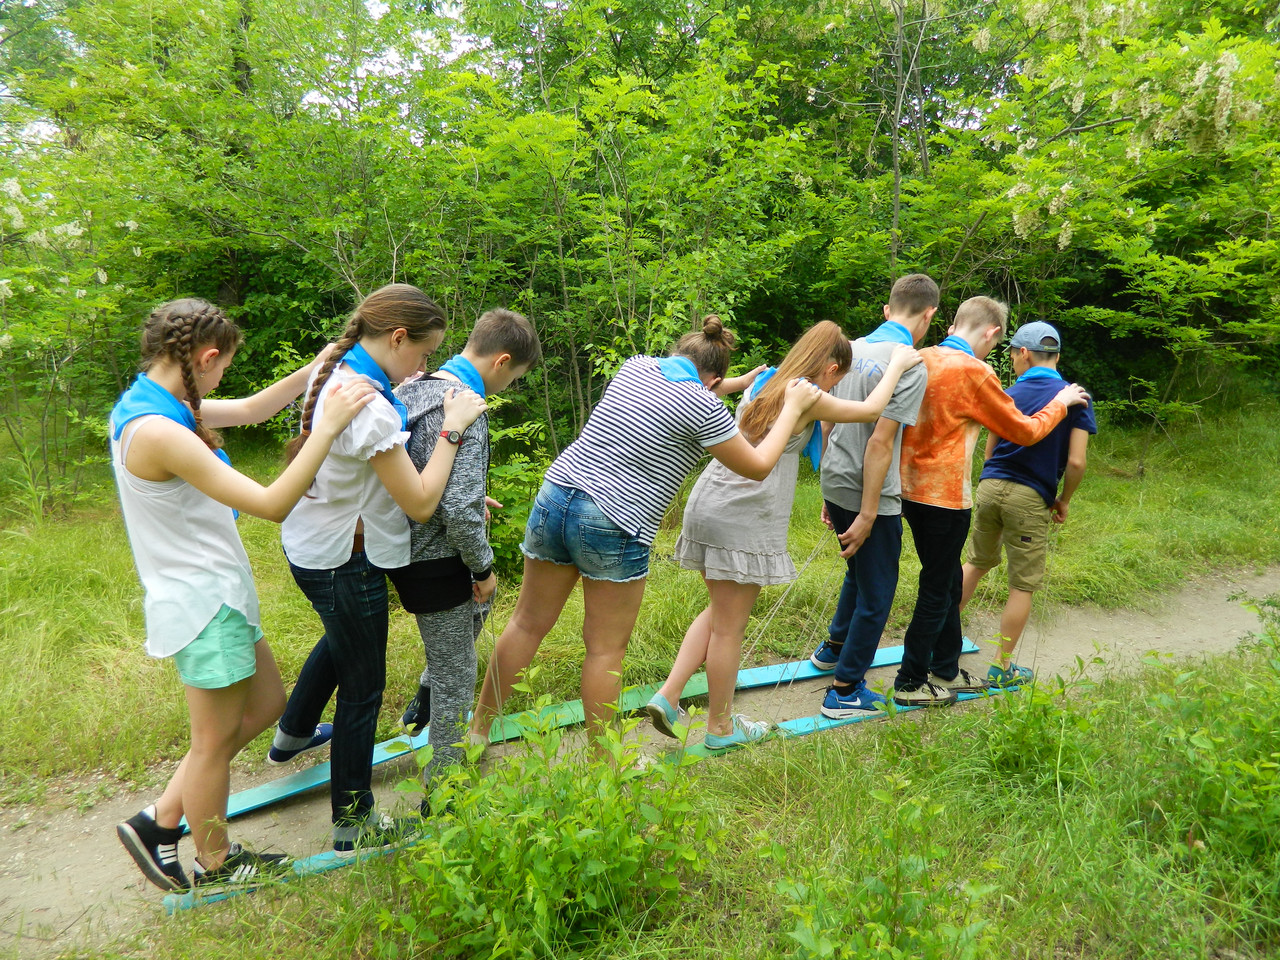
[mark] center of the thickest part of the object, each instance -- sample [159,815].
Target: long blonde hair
[822,344]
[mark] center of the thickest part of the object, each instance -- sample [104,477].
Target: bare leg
[972,575]
[543,592]
[731,605]
[611,610]
[691,656]
[222,722]
[1017,611]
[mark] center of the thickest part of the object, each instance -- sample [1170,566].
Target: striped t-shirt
[643,438]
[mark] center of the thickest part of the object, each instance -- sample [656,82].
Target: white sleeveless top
[187,551]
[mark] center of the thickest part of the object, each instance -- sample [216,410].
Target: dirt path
[66,883]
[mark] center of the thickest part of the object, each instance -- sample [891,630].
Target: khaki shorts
[1015,515]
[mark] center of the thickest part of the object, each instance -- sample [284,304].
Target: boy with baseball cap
[1017,496]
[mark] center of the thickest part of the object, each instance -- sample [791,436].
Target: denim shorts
[221,654]
[566,527]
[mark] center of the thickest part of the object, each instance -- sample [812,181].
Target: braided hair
[395,306]
[179,329]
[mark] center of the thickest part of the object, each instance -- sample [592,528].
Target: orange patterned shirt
[962,395]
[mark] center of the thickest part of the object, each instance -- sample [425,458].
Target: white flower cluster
[982,40]
[11,188]
[1064,235]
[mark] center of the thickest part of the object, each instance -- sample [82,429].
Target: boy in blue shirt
[1017,497]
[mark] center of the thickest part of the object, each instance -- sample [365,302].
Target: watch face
[453,436]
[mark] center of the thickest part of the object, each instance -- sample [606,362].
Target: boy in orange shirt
[963,394]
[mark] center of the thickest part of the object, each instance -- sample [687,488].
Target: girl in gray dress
[735,529]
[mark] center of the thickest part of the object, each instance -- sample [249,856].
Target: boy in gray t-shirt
[862,497]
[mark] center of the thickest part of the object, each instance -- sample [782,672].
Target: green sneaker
[1015,676]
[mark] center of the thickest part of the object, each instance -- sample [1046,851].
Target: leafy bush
[1037,739]
[544,855]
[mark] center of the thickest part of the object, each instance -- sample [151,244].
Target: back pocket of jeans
[602,547]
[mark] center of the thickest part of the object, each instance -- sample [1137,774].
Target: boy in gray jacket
[449,581]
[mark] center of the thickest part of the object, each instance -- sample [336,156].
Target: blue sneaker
[744,731]
[860,699]
[826,656]
[1015,676]
[665,717]
[277,757]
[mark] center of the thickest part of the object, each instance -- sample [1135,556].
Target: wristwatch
[453,436]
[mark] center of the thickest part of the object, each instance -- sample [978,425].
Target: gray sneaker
[924,695]
[962,682]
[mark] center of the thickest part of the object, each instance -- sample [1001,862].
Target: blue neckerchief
[892,332]
[959,343]
[678,369]
[358,359]
[466,371]
[146,398]
[762,378]
[812,449]
[1041,373]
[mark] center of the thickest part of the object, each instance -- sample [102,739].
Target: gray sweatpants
[449,641]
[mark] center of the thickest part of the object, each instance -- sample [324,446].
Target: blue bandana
[813,448]
[146,398]
[466,371]
[959,343]
[1041,373]
[358,359]
[678,369]
[892,332]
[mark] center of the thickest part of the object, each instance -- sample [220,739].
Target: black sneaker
[379,830]
[243,866]
[418,714]
[154,849]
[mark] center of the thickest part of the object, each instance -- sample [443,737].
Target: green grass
[71,629]
[1135,818]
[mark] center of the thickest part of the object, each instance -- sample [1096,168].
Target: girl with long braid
[735,528]
[353,524]
[178,492]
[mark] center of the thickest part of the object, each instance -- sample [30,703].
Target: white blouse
[319,532]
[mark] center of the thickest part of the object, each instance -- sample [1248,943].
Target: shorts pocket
[602,547]
[535,531]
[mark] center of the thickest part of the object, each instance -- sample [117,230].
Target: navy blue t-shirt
[1041,465]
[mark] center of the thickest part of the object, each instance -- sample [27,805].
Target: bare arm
[992,440]
[1077,449]
[737,384]
[267,402]
[876,461]
[755,463]
[418,494]
[163,449]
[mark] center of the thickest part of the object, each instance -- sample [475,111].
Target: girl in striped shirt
[604,496]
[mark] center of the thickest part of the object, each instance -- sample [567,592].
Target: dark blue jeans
[351,658]
[934,640]
[866,596]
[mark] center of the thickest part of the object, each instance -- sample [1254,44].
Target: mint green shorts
[221,654]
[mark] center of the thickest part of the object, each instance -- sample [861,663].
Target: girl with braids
[604,496]
[178,493]
[354,523]
[735,528]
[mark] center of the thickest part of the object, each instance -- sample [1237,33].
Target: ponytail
[393,307]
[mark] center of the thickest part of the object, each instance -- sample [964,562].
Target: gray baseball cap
[1032,336]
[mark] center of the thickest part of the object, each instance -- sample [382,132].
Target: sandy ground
[66,884]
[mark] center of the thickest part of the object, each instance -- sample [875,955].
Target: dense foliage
[618,169]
